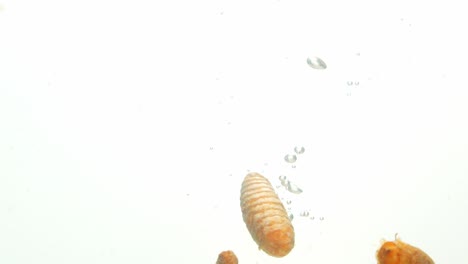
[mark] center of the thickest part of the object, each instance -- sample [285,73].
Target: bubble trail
[265,216]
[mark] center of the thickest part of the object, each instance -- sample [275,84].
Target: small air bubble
[290,158]
[356,83]
[299,150]
[211,148]
[282,178]
[293,166]
[293,188]
[349,83]
[321,218]
[316,63]
[305,213]
[288,201]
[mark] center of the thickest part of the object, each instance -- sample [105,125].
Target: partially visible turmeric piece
[397,252]
[227,257]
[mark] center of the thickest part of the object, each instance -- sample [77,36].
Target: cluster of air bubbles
[304,213]
[291,187]
[291,158]
[350,83]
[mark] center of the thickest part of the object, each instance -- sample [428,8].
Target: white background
[126,128]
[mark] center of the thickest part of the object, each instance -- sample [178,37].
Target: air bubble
[321,218]
[299,150]
[288,201]
[305,213]
[282,178]
[290,158]
[293,188]
[316,63]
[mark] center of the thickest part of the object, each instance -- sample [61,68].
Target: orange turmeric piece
[265,216]
[397,252]
[227,257]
